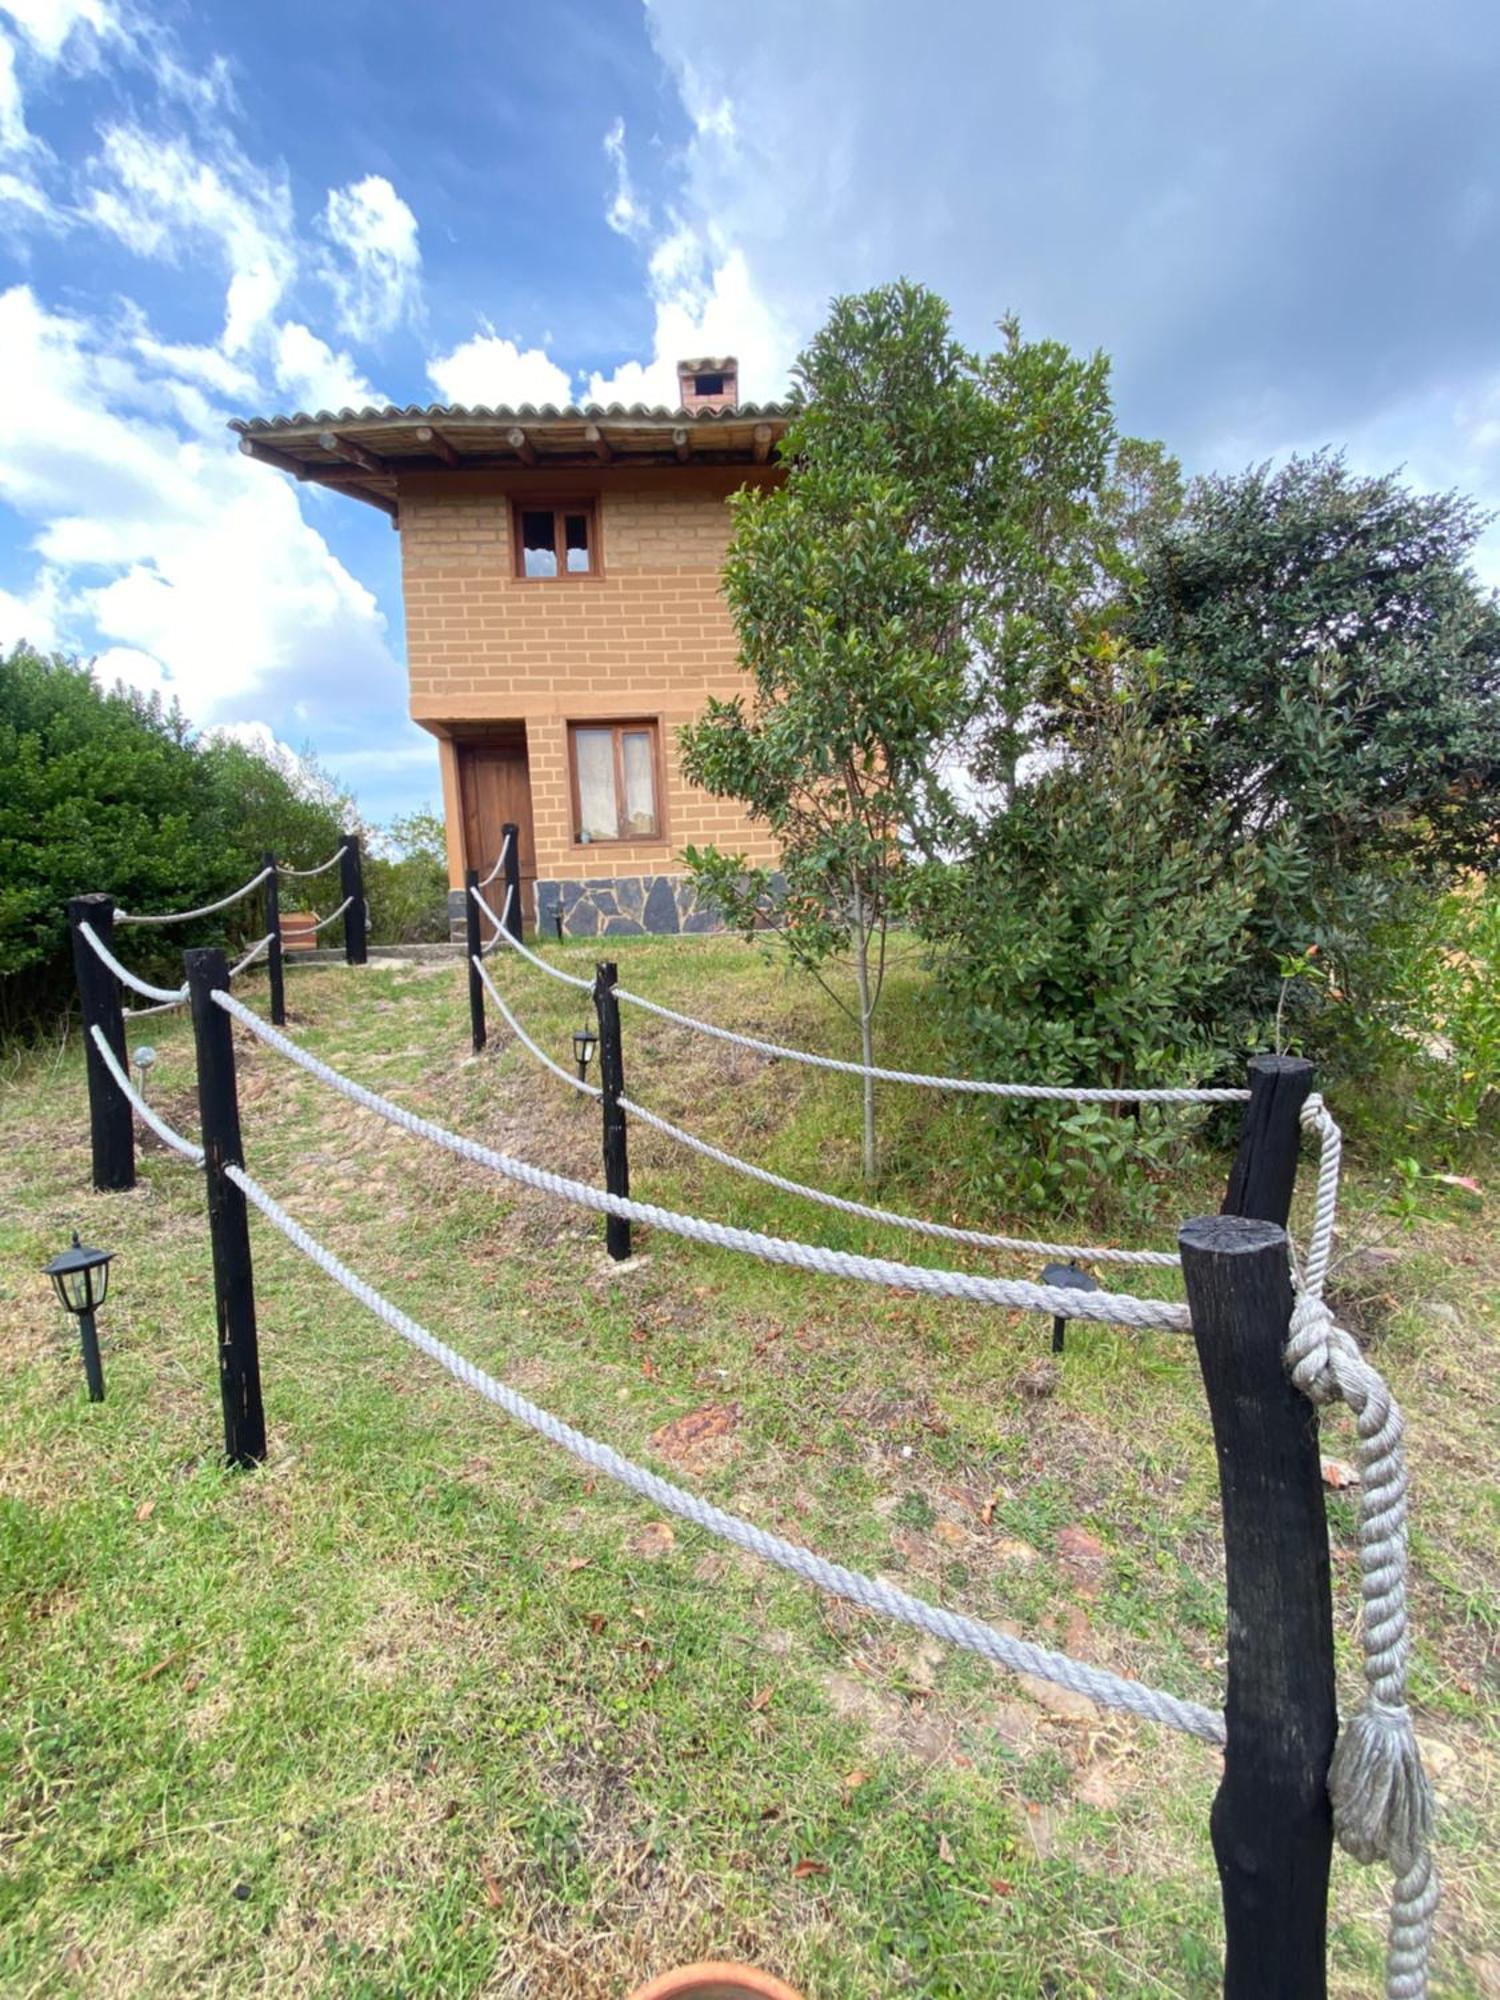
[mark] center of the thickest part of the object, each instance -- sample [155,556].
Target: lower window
[614,766]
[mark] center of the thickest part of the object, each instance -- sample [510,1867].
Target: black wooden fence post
[1265,1167]
[228,1219]
[274,965]
[473,949]
[1271,1822]
[111,1122]
[511,913]
[352,884]
[612,1082]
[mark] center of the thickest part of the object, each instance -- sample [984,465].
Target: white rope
[918,1224]
[1110,1308]
[975,1086]
[1382,1803]
[574,1082]
[323,922]
[552,971]
[188,1149]
[322,867]
[255,951]
[1016,1655]
[162,1007]
[186,916]
[499,922]
[170,994]
[499,862]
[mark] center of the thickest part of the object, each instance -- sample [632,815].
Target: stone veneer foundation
[612,906]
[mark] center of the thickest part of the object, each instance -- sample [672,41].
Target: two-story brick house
[560,572]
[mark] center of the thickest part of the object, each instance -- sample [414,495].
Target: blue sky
[1281,219]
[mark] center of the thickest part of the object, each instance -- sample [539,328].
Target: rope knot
[1309,1348]
[1382,1802]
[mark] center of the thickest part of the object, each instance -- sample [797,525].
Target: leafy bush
[1082,940]
[110,790]
[408,887]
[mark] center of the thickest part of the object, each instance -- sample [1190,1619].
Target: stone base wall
[624,906]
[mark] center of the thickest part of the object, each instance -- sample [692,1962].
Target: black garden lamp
[80,1277]
[585,1041]
[1069,1278]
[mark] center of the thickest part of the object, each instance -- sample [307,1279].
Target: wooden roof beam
[521,445]
[356,454]
[598,443]
[265,454]
[680,443]
[438,445]
[763,435]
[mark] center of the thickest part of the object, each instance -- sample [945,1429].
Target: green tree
[1081,937]
[407,881]
[106,789]
[921,551]
[1333,680]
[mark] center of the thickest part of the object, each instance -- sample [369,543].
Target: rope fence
[322,868]
[1382,1806]
[208,909]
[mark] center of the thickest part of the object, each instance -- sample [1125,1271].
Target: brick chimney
[709,384]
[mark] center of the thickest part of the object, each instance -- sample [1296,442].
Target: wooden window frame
[558,509]
[619,725]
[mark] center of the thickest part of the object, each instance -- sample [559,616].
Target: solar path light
[80,1277]
[585,1041]
[1074,1280]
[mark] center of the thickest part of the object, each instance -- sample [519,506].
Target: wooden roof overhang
[364,453]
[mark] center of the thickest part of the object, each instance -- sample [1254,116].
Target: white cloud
[164,200]
[49,24]
[489,369]
[34,615]
[313,376]
[14,137]
[703,308]
[627,214]
[376,273]
[208,569]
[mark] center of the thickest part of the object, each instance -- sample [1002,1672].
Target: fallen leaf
[493,1893]
[146,1509]
[945,1852]
[575,1563]
[1000,1887]
[655,1539]
[597,1622]
[688,1437]
[1338,1473]
[854,1779]
[761,1699]
[806,1867]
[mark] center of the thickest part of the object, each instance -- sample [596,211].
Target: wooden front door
[495,789]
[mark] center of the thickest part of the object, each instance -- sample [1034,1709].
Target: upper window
[708,385]
[556,541]
[614,767]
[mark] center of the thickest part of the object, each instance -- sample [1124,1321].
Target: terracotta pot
[715,1982]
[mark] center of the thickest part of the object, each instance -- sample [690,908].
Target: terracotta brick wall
[647,638]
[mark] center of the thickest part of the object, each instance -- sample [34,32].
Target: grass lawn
[420,1709]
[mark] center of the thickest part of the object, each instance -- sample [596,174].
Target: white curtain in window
[598,815]
[640,782]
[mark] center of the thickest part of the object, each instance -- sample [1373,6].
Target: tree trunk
[866,1033]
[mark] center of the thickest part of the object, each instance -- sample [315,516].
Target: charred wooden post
[352,886]
[510,913]
[111,1124]
[274,966]
[228,1218]
[1265,1167]
[612,1083]
[473,948]
[1272,1824]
